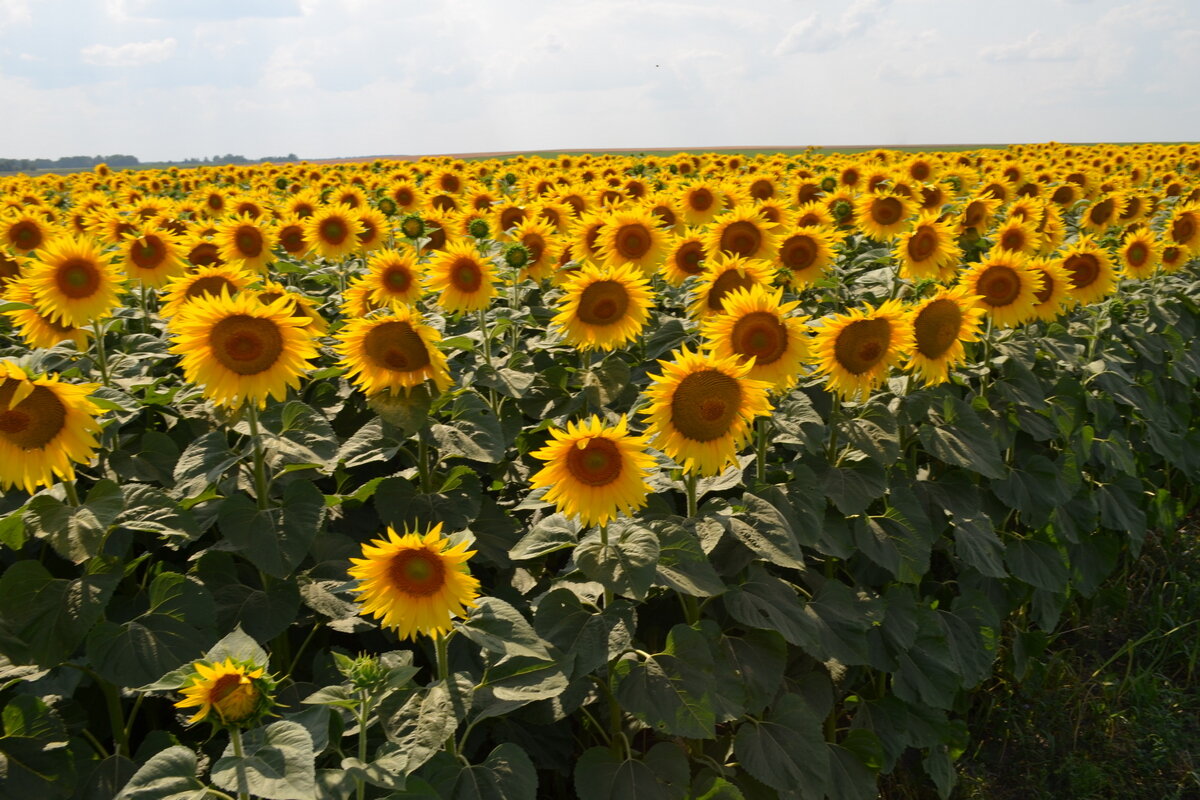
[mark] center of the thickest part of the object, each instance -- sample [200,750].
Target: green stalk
[441,644]
[72,492]
[235,738]
[487,342]
[423,465]
[260,471]
[834,408]
[689,483]
[608,592]
[101,356]
[760,441]
[363,713]
[116,718]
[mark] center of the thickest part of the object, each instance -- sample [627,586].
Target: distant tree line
[119,161]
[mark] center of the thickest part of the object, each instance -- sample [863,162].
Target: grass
[1109,705]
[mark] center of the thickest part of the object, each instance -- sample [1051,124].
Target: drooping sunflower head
[604,307]
[46,428]
[229,693]
[241,351]
[1007,288]
[392,352]
[415,583]
[463,279]
[756,327]
[333,231]
[74,281]
[856,349]
[722,274]
[593,471]
[702,409]
[928,250]
[395,277]
[940,325]
[1090,269]
[742,231]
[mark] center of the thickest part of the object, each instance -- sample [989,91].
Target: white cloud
[14,11]
[1034,47]
[813,35]
[131,54]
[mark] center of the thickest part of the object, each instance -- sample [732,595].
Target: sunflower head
[1007,288]
[604,307]
[722,274]
[415,582]
[463,279]
[229,693]
[74,281]
[594,471]
[940,324]
[856,349]
[758,328]
[702,408]
[392,352]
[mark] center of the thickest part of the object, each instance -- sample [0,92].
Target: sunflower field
[663,477]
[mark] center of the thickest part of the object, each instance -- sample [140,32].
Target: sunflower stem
[260,471]
[235,738]
[423,465]
[148,328]
[689,483]
[72,492]
[101,356]
[441,644]
[834,408]
[608,592]
[760,450]
[116,718]
[363,712]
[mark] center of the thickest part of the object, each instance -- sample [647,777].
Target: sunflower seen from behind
[462,278]
[240,351]
[228,693]
[594,471]
[1005,285]
[46,428]
[940,324]
[757,328]
[856,349]
[414,583]
[702,409]
[604,307]
[74,281]
[392,352]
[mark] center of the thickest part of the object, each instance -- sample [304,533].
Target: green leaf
[550,534]
[853,487]
[506,381]
[496,626]
[581,633]
[708,786]
[956,435]
[295,433]
[238,646]
[168,775]
[1033,488]
[506,774]
[475,434]
[849,778]
[626,564]
[203,463]
[370,443]
[977,544]
[401,505]
[153,511]
[526,679]
[767,533]
[422,725]
[604,382]
[682,564]
[277,764]
[666,336]
[1038,564]
[787,750]
[754,663]
[274,540]
[600,775]
[76,533]
[671,691]
[42,618]
[766,602]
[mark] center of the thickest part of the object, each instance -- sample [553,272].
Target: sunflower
[977,214]
[46,427]
[407,196]
[376,230]
[229,692]
[1052,298]
[202,282]
[812,214]
[604,307]
[928,250]
[700,202]
[153,256]
[594,472]
[73,282]
[240,350]
[883,216]
[1018,236]
[289,236]
[538,237]
[392,352]
[1183,228]
[685,256]
[722,274]
[463,278]
[332,231]
[26,231]
[1007,287]
[415,583]
[633,237]
[857,348]
[1090,268]
[34,327]
[300,306]
[394,277]
[11,267]
[741,232]
[702,409]
[940,325]
[756,328]
[245,242]
[1140,254]
[1100,215]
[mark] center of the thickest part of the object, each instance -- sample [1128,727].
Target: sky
[173,79]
